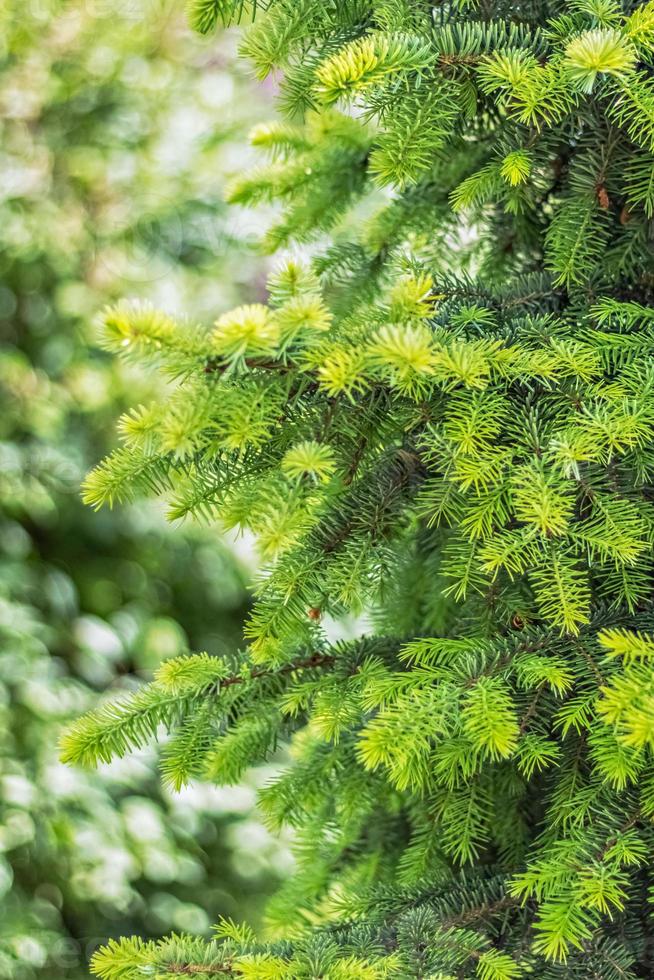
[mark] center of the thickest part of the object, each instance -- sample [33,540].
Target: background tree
[99,195]
[447,420]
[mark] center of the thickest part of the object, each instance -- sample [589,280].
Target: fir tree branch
[451,451]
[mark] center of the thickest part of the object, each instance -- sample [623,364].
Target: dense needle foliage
[445,418]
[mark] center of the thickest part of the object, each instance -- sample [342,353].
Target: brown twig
[315,660]
[225,969]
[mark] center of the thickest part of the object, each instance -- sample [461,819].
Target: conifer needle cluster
[445,418]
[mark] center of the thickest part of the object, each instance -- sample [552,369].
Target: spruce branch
[444,420]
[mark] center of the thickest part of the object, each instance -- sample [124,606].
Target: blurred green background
[118,129]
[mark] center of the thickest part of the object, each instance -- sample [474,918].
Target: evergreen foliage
[446,419]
